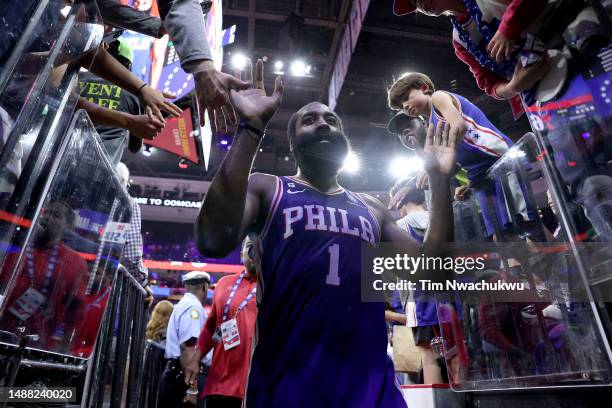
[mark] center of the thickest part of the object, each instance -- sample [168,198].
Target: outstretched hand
[212,91]
[439,153]
[252,104]
[155,102]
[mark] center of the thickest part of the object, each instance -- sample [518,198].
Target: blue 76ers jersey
[318,345]
[483,143]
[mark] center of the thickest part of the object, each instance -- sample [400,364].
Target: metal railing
[116,372]
[153,368]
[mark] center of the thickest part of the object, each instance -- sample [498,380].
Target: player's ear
[425,89]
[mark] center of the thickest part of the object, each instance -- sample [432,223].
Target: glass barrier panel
[37,100]
[60,281]
[36,88]
[533,338]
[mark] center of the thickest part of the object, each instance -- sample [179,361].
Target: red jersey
[228,373]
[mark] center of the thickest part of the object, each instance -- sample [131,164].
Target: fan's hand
[155,102]
[212,91]
[500,47]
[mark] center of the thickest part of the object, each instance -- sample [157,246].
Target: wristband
[253,129]
[140,89]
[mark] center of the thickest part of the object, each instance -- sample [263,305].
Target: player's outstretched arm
[234,200]
[439,158]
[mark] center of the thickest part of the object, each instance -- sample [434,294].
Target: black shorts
[424,334]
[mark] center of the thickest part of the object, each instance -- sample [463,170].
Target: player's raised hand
[253,105]
[439,153]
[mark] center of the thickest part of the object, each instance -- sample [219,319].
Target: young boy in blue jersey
[317,344]
[481,143]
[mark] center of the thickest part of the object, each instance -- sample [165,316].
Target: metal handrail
[128,307]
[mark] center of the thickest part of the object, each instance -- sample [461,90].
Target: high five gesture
[252,104]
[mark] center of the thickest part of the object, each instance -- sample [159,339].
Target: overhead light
[183,163]
[147,151]
[298,68]
[401,167]
[224,142]
[279,65]
[351,163]
[239,61]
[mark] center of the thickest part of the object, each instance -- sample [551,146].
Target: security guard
[185,324]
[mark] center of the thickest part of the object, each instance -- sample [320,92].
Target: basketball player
[317,344]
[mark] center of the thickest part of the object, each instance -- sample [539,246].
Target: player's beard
[322,152]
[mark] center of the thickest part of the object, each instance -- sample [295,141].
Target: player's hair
[293,121]
[413,80]
[158,324]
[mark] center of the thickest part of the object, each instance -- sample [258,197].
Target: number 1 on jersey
[334,260]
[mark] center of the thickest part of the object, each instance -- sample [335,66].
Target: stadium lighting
[147,151]
[351,163]
[279,65]
[239,61]
[224,142]
[401,167]
[298,68]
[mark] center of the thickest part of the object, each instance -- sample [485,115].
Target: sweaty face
[320,145]
[415,103]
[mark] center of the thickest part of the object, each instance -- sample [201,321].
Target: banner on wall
[347,46]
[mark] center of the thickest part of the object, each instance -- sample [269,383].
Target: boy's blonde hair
[413,80]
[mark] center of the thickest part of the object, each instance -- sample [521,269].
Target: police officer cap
[194,276]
